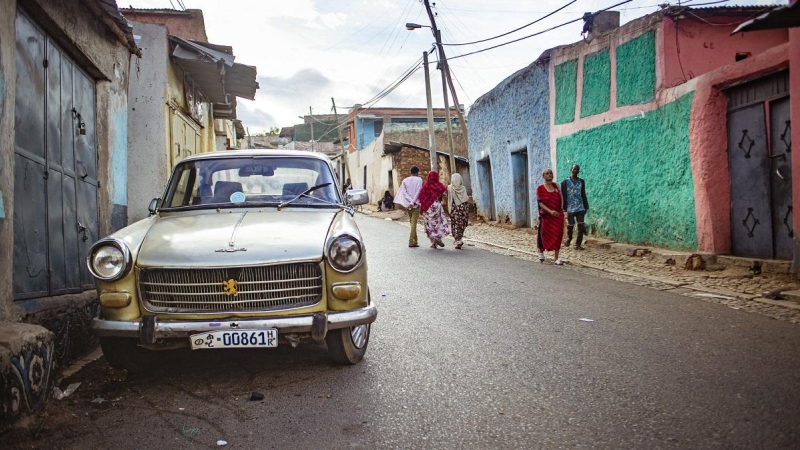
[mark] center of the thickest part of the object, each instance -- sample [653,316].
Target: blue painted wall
[514,115]
[365,132]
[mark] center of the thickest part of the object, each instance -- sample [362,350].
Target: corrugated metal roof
[110,9]
[787,16]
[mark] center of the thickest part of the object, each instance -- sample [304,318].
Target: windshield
[250,181]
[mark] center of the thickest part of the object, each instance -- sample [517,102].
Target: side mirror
[357,197]
[153,206]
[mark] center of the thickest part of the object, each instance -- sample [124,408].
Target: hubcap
[359,335]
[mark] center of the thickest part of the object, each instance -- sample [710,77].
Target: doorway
[759,155]
[55,168]
[487,186]
[519,174]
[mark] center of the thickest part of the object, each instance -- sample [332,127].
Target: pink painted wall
[708,144]
[705,47]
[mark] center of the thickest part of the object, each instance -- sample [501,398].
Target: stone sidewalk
[724,280]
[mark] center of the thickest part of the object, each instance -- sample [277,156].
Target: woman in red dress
[551,217]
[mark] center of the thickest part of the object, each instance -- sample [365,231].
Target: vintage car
[248,248]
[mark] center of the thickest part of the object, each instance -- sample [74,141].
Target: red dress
[551,228]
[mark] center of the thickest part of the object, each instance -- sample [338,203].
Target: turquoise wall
[636,70]
[565,77]
[638,176]
[596,95]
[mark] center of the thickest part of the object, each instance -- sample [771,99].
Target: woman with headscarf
[430,204]
[459,209]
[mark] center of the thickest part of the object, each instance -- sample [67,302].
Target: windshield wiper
[306,192]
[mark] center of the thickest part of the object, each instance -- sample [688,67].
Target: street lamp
[414,26]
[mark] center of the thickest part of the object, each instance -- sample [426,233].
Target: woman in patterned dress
[459,209]
[551,217]
[430,205]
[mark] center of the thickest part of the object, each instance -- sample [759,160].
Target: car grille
[263,288]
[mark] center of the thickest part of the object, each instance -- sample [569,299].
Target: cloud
[255,119]
[307,83]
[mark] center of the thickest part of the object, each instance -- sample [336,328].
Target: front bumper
[149,329]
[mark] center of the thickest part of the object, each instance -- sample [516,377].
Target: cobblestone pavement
[734,287]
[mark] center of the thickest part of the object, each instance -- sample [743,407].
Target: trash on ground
[733,307]
[256,396]
[388,218]
[221,443]
[584,319]
[99,400]
[58,394]
[383,295]
[709,295]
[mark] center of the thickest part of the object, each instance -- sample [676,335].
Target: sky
[307,52]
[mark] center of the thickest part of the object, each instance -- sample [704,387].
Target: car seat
[294,189]
[224,189]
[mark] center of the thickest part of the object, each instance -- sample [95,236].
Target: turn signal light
[347,291]
[115,299]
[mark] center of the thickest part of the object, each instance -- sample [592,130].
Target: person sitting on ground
[387,202]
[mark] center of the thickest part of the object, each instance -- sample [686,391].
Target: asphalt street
[471,349]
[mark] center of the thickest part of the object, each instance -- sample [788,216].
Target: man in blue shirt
[573,189]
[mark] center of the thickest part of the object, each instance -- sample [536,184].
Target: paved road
[471,350]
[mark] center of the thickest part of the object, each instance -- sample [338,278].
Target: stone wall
[509,145]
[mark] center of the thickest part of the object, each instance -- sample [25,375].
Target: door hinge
[45,63]
[46,175]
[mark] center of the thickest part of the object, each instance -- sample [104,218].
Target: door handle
[85,172]
[82,229]
[778,172]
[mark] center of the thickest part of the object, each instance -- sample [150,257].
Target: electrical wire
[517,29]
[540,32]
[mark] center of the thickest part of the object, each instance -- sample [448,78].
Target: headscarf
[456,191]
[431,191]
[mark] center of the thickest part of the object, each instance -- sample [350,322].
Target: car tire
[126,354]
[348,345]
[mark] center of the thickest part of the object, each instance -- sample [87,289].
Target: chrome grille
[258,288]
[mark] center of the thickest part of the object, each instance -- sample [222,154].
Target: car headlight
[109,259]
[345,253]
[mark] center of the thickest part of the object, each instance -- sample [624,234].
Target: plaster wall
[709,144]
[691,47]
[148,163]
[513,116]
[188,24]
[8,310]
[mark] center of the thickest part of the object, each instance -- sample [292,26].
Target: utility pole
[445,68]
[431,131]
[341,141]
[446,102]
[312,127]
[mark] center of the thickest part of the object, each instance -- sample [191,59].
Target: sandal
[541,257]
[558,262]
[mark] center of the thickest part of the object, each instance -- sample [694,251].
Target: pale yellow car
[247,249]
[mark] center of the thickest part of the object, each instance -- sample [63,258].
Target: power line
[540,32]
[517,29]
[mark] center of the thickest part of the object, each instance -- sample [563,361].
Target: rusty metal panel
[760,90]
[30,231]
[68,119]
[751,218]
[85,142]
[86,227]
[781,177]
[71,239]
[29,98]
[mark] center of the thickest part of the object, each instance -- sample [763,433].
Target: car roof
[258,152]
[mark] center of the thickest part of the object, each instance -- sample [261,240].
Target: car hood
[203,239]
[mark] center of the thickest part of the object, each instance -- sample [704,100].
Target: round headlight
[345,253]
[108,261]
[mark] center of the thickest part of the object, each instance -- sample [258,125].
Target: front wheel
[348,345]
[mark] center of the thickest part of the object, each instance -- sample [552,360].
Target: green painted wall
[596,97]
[566,80]
[638,176]
[636,70]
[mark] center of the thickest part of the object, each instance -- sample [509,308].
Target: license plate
[235,339]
